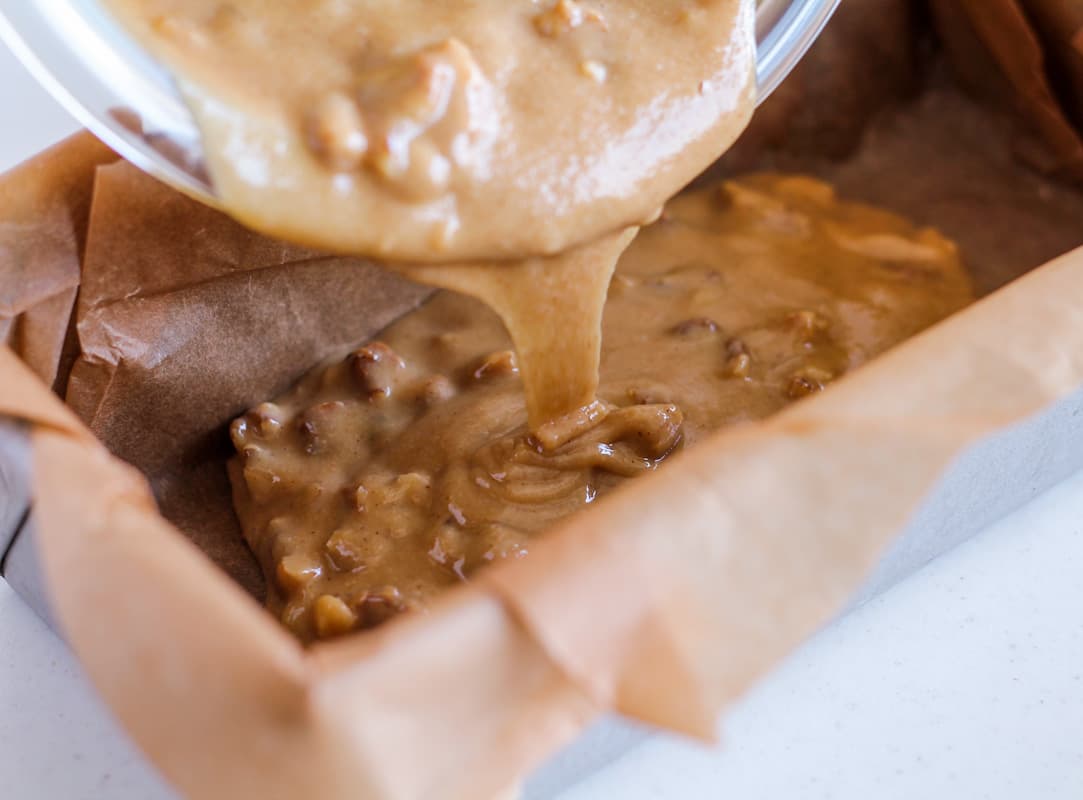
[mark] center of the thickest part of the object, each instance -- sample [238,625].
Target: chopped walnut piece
[264,421]
[738,366]
[425,115]
[802,387]
[295,570]
[565,16]
[277,527]
[647,394]
[697,326]
[500,364]
[358,496]
[379,605]
[238,433]
[335,132]
[808,380]
[411,487]
[333,617]
[375,366]
[807,324]
[930,247]
[343,552]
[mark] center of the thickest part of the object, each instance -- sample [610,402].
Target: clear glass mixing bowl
[94,69]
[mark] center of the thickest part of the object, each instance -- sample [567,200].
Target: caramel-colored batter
[383,478]
[421,131]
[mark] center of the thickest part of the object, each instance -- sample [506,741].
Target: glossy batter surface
[383,478]
[421,131]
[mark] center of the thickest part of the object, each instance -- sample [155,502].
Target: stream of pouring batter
[552,308]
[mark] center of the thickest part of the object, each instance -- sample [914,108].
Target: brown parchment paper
[663,602]
[1026,55]
[43,220]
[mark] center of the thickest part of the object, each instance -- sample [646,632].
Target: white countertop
[965,681]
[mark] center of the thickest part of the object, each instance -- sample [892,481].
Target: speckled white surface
[965,681]
[57,740]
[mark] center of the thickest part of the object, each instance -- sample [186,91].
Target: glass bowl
[95,70]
